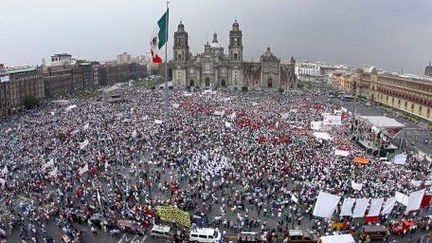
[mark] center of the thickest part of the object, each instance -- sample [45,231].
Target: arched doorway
[223,83]
[207,82]
[269,82]
[191,83]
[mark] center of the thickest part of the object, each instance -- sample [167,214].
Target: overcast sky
[391,34]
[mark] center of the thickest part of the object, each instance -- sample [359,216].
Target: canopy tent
[345,238]
[360,160]
[382,122]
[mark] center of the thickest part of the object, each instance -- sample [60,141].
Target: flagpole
[166,64]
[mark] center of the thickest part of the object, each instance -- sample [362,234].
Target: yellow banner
[171,213]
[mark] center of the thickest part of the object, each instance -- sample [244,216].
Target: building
[16,85]
[111,73]
[65,75]
[428,70]
[124,58]
[405,93]
[309,72]
[215,69]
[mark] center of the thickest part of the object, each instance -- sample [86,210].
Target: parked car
[162,231]
[301,236]
[244,237]
[374,232]
[205,235]
[402,227]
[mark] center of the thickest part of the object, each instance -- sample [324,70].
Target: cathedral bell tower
[181,46]
[235,43]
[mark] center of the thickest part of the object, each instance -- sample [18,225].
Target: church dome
[268,53]
[215,43]
[268,56]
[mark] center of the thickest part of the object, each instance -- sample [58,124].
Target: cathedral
[215,69]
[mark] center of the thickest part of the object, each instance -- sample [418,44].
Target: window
[235,56]
[420,109]
[202,236]
[269,82]
[207,82]
[223,83]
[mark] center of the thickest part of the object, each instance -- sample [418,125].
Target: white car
[205,235]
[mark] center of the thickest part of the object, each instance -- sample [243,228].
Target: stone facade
[215,69]
[412,96]
[16,84]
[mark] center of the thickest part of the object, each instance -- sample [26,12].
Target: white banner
[360,207]
[415,183]
[332,120]
[83,170]
[316,125]
[347,206]
[84,144]
[400,159]
[388,206]
[342,153]
[322,135]
[325,205]
[86,126]
[375,207]
[69,108]
[53,173]
[227,124]
[285,115]
[158,122]
[414,201]
[401,198]
[48,164]
[2,181]
[356,186]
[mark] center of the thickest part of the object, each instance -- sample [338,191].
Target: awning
[360,160]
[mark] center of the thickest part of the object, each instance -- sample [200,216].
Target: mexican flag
[159,38]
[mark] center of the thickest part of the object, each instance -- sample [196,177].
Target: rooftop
[382,122]
[17,70]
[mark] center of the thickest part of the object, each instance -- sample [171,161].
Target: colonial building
[215,69]
[16,85]
[410,95]
[65,75]
[428,70]
[111,73]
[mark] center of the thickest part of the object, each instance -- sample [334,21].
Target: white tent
[346,209]
[325,205]
[360,207]
[414,201]
[345,238]
[375,207]
[382,122]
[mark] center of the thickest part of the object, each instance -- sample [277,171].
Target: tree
[30,102]
[244,88]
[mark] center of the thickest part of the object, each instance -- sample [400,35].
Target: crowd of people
[242,160]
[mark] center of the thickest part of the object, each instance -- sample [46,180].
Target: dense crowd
[239,160]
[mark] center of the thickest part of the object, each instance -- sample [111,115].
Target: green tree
[30,102]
